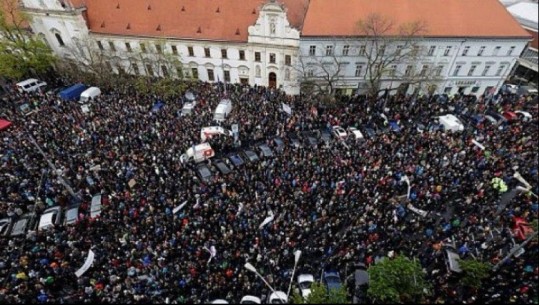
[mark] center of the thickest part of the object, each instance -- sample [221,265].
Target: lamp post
[251,268]
[297,255]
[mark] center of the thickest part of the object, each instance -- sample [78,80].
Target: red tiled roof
[226,20]
[443,18]
[12,6]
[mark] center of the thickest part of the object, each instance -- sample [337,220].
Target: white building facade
[471,66]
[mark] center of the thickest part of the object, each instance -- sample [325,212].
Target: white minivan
[222,110]
[30,85]
[90,93]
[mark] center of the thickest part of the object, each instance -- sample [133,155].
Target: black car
[279,144]
[222,167]
[204,173]
[310,139]
[293,140]
[236,160]
[250,155]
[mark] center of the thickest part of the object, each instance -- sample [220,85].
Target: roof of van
[24,82]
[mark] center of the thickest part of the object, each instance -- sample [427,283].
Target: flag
[267,220]
[178,208]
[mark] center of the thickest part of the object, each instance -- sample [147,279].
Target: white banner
[87,264]
[417,211]
[286,108]
[178,208]
[267,220]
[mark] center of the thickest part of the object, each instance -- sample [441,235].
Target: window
[475,89]
[174,50]
[447,50]
[149,69]
[465,51]
[191,52]
[312,50]
[143,48]
[496,50]
[227,76]
[207,52]
[194,72]
[257,71]
[392,70]
[424,70]
[310,73]
[500,70]
[272,58]
[158,49]
[211,76]
[287,74]
[165,70]
[359,70]
[329,50]
[179,71]
[362,50]
[438,71]
[481,50]
[457,70]
[382,50]
[432,49]
[112,46]
[408,70]
[128,47]
[472,70]
[242,55]
[447,90]
[485,71]
[59,38]
[511,50]
[257,56]
[345,50]
[224,53]
[288,60]
[398,51]
[100,45]
[134,65]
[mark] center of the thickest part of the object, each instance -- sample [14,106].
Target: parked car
[250,299]
[452,260]
[30,85]
[294,141]
[500,119]
[71,215]
[236,160]
[523,115]
[310,139]
[394,126]
[250,155]
[355,133]
[509,88]
[361,284]
[332,280]
[5,226]
[95,206]
[204,173]
[265,150]
[278,297]
[304,282]
[325,136]
[339,132]
[24,224]
[521,229]
[222,167]
[51,217]
[279,144]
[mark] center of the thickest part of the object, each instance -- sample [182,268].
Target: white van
[198,153]
[222,110]
[211,131]
[90,93]
[188,108]
[30,85]
[451,122]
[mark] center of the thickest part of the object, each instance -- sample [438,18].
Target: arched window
[257,71]
[42,37]
[59,38]
[287,74]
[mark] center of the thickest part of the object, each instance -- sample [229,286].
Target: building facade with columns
[470,46]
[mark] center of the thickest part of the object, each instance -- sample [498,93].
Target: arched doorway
[272,77]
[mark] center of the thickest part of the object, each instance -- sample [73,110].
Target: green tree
[474,272]
[319,295]
[21,52]
[397,280]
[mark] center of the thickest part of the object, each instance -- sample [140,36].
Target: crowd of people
[338,204]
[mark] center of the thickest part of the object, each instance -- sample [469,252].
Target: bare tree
[387,44]
[320,74]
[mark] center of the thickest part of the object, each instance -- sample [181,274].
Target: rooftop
[442,18]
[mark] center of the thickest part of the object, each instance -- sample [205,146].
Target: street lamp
[297,255]
[251,268]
